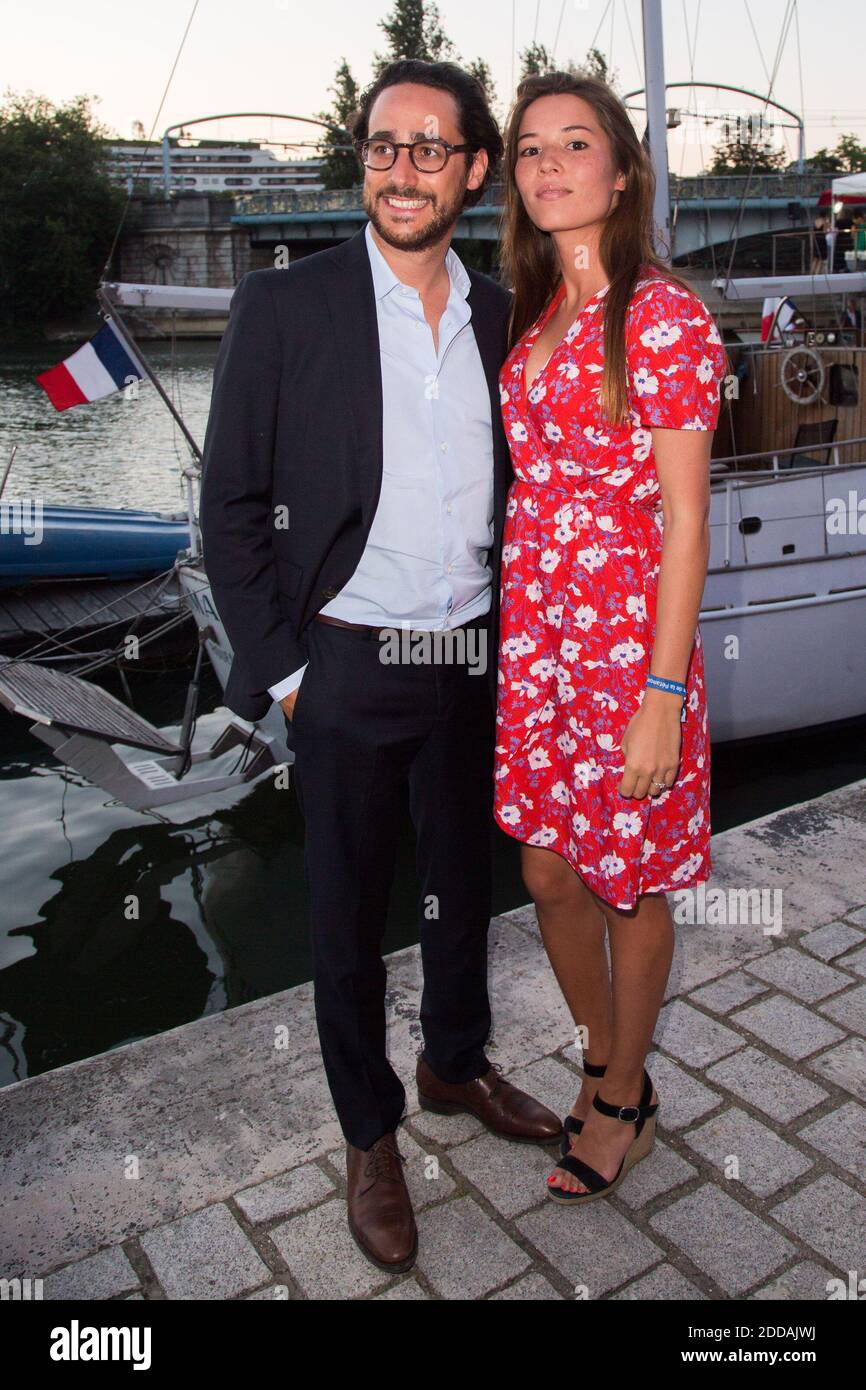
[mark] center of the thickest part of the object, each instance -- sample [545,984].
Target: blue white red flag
[99,368]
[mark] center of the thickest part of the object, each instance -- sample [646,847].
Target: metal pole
[166,165]
[125,334]
[654,69]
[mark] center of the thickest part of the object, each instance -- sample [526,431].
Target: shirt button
[450,569]
[444,448]
[449,507]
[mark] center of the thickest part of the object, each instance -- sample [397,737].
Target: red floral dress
[580,563]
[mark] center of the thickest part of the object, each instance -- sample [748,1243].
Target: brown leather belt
[375,631]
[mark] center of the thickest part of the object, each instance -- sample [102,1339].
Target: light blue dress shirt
[425,564]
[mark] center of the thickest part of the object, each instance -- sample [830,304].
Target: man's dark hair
[477,125]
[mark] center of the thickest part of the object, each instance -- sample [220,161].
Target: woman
[610,395]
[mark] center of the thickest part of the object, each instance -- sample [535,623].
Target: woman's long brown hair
[528,255]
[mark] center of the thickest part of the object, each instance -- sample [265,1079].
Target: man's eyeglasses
[428,156]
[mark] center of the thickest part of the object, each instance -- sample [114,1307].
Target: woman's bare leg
[641,951]
[573,931]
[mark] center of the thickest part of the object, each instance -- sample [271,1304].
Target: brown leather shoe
[381,1218]
[493,1100]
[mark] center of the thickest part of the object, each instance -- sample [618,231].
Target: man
[358,393]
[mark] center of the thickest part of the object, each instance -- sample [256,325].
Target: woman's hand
[651,745]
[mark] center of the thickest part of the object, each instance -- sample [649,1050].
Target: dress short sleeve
[676,360]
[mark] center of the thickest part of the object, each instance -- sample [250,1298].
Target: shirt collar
[385,280]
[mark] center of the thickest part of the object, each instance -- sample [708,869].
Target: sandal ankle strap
[630,1114]
[594,1068]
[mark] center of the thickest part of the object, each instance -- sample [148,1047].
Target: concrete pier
[206,1163]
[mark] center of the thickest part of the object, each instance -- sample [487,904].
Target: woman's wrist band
[672,688]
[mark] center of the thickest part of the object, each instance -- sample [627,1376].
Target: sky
[281,55]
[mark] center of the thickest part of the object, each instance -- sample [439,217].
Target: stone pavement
[205,1163]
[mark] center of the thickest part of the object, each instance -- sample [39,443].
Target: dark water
[221,915]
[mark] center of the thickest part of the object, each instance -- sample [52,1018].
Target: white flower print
[611,865]
[553,616]
[553,432]
[510,814]
[545,836]
[561,793]
[540,471]
[543,668]
[592,558]
[580,823]
[645,384]
[585,617]
[549,560]
[705,371]
[627,823]
[569,650]
[635,604]
[538,757]
[626,653]
[661,335]
[519,432]
[519,645]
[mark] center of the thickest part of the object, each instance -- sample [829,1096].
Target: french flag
[787,314]
[97,369]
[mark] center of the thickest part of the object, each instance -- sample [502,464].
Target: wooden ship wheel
[802,375]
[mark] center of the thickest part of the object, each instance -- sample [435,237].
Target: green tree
[535,59]
[340,168]
[59,208]
[738,155]
[849,157]
[414,30]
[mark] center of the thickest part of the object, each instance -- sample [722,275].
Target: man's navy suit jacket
[295,433]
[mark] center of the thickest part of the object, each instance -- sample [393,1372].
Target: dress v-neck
[550,311]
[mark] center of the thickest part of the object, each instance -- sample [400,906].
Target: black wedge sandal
[571,1125]
[644,1117]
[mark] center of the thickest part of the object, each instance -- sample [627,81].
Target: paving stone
[841,1135]
[766,1084]
[722,1238]
[531,1288]
[858,916]
[204,1255]
[511,1176]
[830,941]
[728,992]
[827,1215]
[290,1192]
[322,1256]
[407,1290]
[849,1009]
[682,1099]
[103,1275]
[692,1037]
[845,1065]
[445,1130]
[796,973]
[662,1170]
[551,1081]
[463,1253]
[787,1026]
[425,1176]
[274,1293]
[805,1280]
[596,1252]
[663,1283]
[766,1162]
[856,961]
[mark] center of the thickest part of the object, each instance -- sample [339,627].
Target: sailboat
[783,617]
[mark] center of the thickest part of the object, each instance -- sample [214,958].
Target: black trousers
[360,729]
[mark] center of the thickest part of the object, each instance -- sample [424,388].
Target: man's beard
[442,221]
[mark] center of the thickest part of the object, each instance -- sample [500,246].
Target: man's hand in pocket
[288,702]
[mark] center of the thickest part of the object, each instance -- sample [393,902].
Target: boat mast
[657,125]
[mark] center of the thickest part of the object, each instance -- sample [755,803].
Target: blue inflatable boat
[57,543]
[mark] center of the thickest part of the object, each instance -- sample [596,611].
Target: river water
[221,910]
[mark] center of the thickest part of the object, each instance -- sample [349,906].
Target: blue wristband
[672,687]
